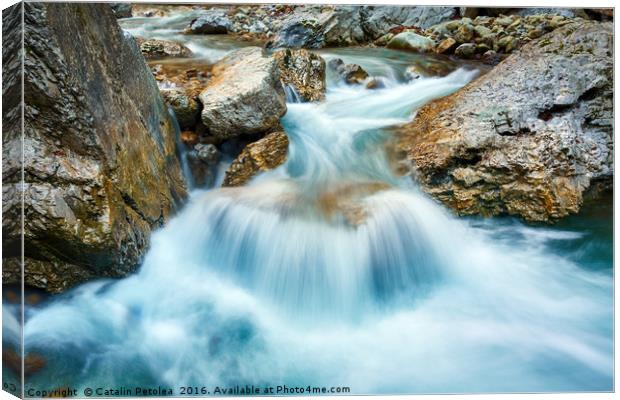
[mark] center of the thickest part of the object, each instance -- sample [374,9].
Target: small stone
[482,48]
[375,83]
[453,25]
[506,43]
[556,21]
[350,73]
[503,21]
[489,39]
[446,46]
[491,57]
[413,72]
[535,33]
[466,50]
[464,34]
[482,30]
[189,138]
[157,49]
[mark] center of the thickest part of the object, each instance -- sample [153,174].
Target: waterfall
[291,94]
[332,270]
[182,150]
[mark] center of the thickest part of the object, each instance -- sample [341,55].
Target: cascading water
[331,270]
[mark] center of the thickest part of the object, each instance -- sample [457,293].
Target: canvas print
[306,199]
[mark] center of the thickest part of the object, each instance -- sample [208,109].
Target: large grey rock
[377,20]
[529,137]
[99,147]
[300,31]
[334,26]
[245,95]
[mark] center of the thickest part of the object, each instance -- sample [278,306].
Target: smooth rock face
[411,41]
[303,71]
[100,162]
[262,155]
[529,137]
[154,49]
[245,95]
[211,22]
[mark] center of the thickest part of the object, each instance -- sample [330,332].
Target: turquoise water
[333,271]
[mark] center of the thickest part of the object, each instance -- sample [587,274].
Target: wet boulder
[155,49]
[466,50]
[446,46]
[263,155]
[533,134]
[99,149]
[244,96]
[185,106]
[350,73]
[303,71]
[411,41]
[299,32]
[211,22]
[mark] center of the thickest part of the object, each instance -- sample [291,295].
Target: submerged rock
[202,159]
[245,95]
[529,137]
[264,154]
[411,41]
[99,148]
[304,71]
[154,49]
[211,22]
[350,73]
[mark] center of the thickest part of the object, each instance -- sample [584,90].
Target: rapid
[333,270]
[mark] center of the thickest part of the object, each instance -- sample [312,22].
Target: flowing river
[332,270]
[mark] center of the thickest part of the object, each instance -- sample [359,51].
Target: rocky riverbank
[529,138]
